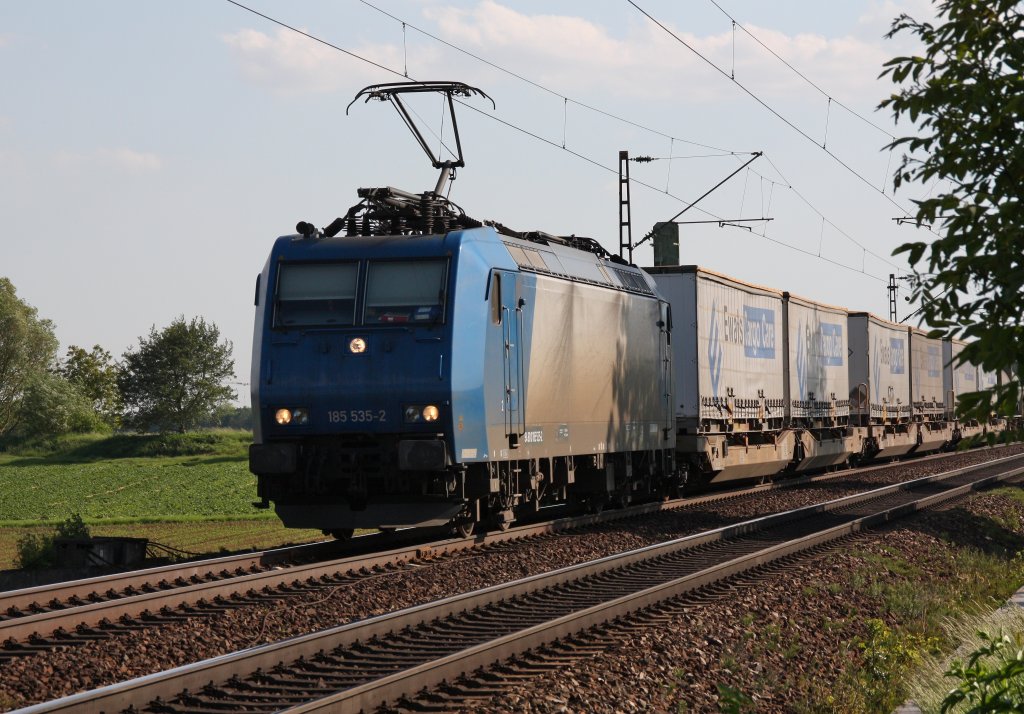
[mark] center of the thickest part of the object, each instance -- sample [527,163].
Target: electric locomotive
[413,366]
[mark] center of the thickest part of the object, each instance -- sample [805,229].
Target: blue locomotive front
[464,376]
[352,379]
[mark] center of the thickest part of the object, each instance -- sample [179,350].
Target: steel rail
[162,595]
[168,684]
[26,598]
[56,595]
[378,692]
[222,567]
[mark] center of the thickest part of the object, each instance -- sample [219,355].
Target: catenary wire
[543,88]
[767,106]
[555,144]
[832,100]
[405,23]
[789,185]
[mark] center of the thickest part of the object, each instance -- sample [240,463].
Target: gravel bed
[67,670]
[786,643]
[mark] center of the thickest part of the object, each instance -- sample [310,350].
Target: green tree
[965,95]
[52,405]
[176,377]
[95,375]
[27,348]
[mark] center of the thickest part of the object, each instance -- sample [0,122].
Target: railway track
[362,664]
[37,619]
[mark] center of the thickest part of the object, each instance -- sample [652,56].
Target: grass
[192,492]
[189,536]
[128,479]
[931,684]
[929,609]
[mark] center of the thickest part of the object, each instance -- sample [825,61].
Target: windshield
[405,291]
[316,294]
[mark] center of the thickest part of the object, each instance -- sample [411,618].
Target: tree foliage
[176,377]
[965,94]
[52,406]
[27,348]
[95,375]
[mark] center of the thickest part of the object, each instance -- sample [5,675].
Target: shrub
[992,680]
[36,550]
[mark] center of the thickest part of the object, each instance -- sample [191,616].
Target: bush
[992,680]
[36,550]
[230,443]
[52,406]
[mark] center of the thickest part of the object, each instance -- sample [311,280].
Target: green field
[105,480]
[192,492]
[177,488]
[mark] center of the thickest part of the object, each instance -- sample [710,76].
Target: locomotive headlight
[416,413]
[357,345]
[297,416]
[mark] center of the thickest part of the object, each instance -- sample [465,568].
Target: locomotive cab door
[511,333]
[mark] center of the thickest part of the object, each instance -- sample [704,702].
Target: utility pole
[625,228]
[892,297]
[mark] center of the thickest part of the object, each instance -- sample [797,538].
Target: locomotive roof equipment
[390,211]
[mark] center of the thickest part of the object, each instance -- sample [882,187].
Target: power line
[810,205]
[532,83]
[314,38]
[767,106]
[646,159]
[578,155]
[493,117]
[832,100]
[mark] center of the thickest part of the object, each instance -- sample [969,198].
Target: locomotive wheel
[464,528]
[343,533]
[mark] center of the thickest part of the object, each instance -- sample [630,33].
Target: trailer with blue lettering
[928,403]
[926,383]
[818,382]
[880,384]
[730,373]
[958,378]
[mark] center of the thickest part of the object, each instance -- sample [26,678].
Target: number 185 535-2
[356,416]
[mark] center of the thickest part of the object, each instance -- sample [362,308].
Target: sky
[150,153]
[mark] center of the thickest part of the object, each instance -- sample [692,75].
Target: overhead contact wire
[764,104]
[800,74]
[566,100]
[578,155]
[541,87]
